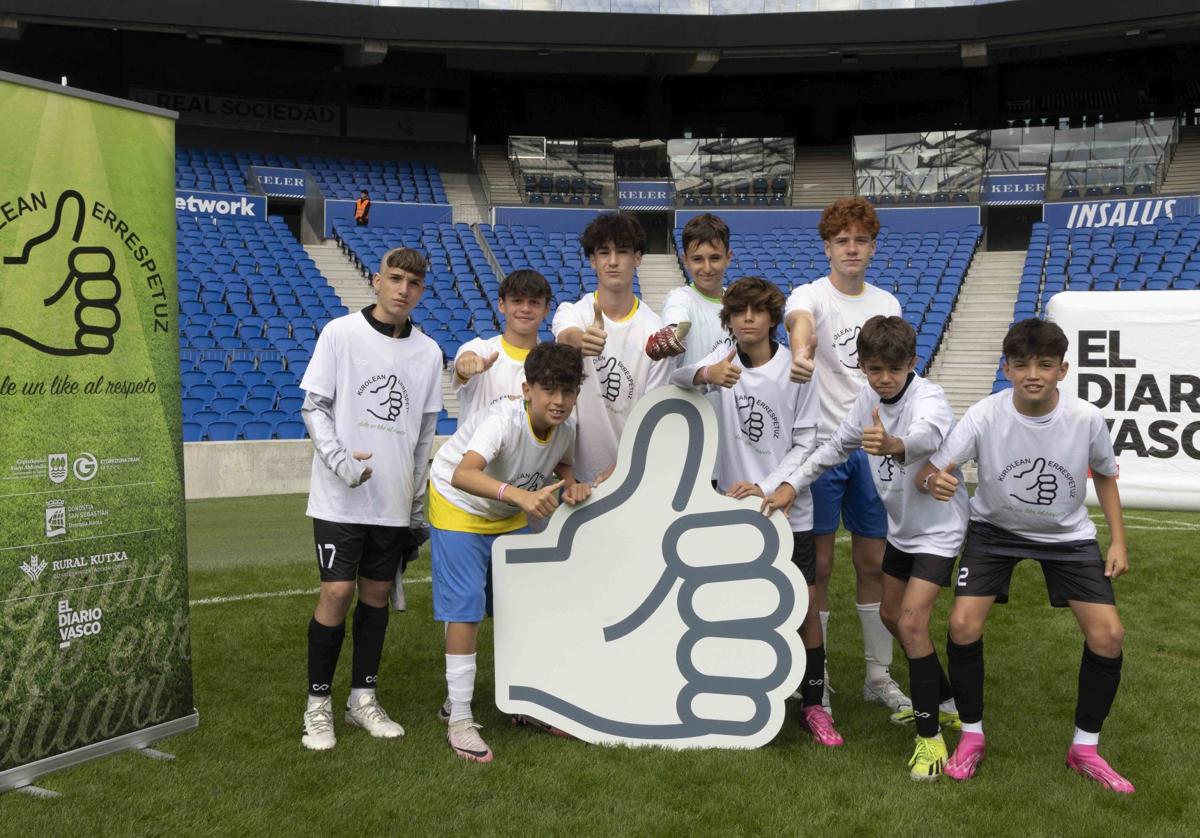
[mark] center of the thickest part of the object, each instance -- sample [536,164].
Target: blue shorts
[847,493]
[462,574]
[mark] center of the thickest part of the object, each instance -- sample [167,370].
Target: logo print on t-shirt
[612,375]
[390,400]
[847,347]
[750,417]
[1035,485]
[886,469]
[529,482]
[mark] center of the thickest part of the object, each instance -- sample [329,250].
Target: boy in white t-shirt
[489,369]
[823,320]
[1034,446]
[485,480]
[610,328]
[373,392]
[706,256]
[923,535]
[768,425]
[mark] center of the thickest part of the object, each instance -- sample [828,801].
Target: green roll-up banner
[95,652]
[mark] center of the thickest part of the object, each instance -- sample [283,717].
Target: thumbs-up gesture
[469,364]
[659,612]
[942,483]
[803,364]
[877,441]
[539,504]
[594,336]
[724,373]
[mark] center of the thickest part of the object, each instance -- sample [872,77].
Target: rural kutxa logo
[34,568]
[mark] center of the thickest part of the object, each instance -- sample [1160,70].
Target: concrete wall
[242,468]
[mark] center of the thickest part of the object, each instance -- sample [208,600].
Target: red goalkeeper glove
[664,343]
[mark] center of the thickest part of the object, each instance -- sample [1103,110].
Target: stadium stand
[557,256]
[251,303]
[338,177]
[1156,257]
[924,270]
[405,181]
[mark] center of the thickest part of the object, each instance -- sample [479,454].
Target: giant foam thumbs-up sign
[659,612]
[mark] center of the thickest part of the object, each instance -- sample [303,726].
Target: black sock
[370,626]
[324,646]
[1099,678]
[812,688]
[923,676]
[966,677]
[945,693]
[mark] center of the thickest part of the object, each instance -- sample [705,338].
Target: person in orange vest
[362,209]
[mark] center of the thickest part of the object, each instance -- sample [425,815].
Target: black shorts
[804,556]
[927,566]
[1073,570]
[348,551]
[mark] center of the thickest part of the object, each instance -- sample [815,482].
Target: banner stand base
[22,777]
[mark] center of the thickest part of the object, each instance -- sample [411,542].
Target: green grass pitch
[244,772]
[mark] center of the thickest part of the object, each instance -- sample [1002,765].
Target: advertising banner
[279,183]
[646,194]
[95,652]
[241,112]
[1119,212]
[1133,354]
[221,204]
[1013,188]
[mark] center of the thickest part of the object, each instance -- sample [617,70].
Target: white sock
[314,700]
[824,617]
[973,727]
[356,694]
[877,641]
[1082,737]
[948,706]
[460,684]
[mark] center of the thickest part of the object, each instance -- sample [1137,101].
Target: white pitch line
[1180,526]
[220,600]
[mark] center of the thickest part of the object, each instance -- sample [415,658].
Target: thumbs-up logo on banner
[46,268]
[658,612]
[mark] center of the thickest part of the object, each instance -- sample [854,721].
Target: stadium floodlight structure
[1120,158]
[563,171]
[929,166]
[732,171]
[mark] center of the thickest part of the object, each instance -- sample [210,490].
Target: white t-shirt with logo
[503,379]
[502,435]
[613,382]
[763,419]
[1032,470]
[923,419]
[704,313]
[839,318]
[380,387]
